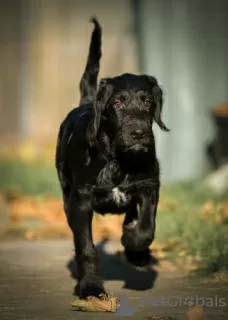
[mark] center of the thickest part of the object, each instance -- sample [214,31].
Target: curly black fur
[106,162]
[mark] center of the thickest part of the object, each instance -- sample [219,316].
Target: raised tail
[88,83]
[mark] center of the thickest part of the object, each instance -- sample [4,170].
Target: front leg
[80,221]
[138,236]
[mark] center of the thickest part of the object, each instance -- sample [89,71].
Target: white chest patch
[118,196]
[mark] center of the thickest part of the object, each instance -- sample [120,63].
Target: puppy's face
[125,109]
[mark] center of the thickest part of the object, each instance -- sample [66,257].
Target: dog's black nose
[137,134]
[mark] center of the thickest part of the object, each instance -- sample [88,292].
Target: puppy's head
[125,109]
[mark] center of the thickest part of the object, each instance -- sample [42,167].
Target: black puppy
[106,162]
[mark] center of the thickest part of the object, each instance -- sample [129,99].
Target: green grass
[198,235]
[29,178]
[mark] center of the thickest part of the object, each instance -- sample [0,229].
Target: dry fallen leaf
[207,209]
[195,313]
[160,254]
[30,235]
[172,243]
[92,304]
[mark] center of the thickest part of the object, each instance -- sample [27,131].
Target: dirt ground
[36,284]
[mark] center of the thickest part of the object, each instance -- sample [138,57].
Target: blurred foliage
[28,150]
[32,178]
[27,166]
[194,225]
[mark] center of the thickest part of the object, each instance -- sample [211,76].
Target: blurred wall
[10,66]
[44,46]
[185,45]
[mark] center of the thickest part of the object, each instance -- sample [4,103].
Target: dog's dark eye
[147,103]
[118,104]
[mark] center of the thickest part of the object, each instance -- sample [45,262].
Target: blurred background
[184,44]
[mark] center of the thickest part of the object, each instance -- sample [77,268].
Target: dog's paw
[90,286]
[136,240]
[138,258]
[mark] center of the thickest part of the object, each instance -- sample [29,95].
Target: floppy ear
[158,98]
[103,94]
